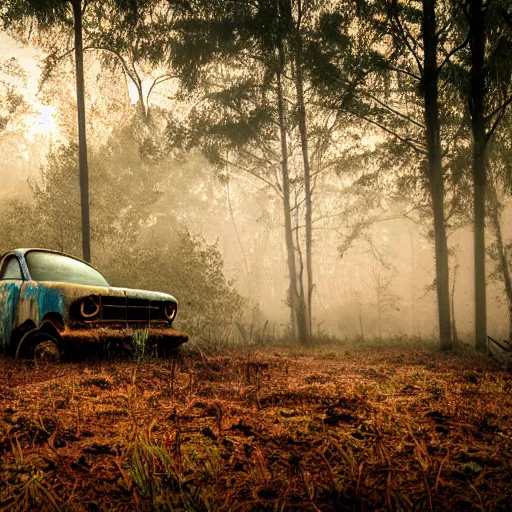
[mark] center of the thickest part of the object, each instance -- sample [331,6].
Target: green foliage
[19,225]
[134,243]
[169,479]
[497,69]
[140,344]
[105,25]
[187,268]
[46,12]
[13,79]
[114,172]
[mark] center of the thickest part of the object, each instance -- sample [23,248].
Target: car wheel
[39,345]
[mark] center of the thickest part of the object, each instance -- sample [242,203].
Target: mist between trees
[285,168]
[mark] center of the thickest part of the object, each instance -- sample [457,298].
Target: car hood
[143,294]
[75,291]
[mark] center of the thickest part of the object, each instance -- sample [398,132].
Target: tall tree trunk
[141,107]
[297,300]
[504,265]
[435,172]
[290,249]
[82,140]
[361,321]
[301,111]
[379,307]
[302,311]
[476,108]
[412,285]
[456,341]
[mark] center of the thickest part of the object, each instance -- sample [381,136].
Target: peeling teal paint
[30,291]
[9,294]
[50,300]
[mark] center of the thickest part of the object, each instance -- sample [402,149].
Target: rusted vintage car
[54,303]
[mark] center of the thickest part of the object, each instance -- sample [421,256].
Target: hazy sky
[37,124]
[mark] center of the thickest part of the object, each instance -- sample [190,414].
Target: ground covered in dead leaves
[272,429]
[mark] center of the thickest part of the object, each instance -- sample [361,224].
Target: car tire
[40,346]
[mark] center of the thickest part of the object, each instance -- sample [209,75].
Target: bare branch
[405,36]
[494,126]
[405,72]
[254,173]
[130,72]
[445,28]
[158,81]
[396,112]
[451,53]
[503,106]
[409,142]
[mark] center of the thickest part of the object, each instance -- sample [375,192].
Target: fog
[372,243]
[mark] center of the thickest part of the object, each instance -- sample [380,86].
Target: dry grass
[267,430]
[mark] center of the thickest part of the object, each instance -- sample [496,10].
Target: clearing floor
[272,429]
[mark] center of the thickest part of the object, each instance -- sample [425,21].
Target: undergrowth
[327,428]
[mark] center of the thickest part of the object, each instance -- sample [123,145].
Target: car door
[11,280]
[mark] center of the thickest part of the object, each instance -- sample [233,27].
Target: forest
[326,188]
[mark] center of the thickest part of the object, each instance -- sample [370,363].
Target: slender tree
[268,47]
[499,190]
[297,44]
[495,214]
[408,46]
[489,94]
[82,137]
[60,14]
[297,309]
[48,13]
[435,169]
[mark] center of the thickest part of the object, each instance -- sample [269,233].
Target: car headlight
[90,306]
[170,311]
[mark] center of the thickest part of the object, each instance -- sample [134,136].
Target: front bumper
[164,337]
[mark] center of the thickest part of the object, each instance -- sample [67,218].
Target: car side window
[11,269]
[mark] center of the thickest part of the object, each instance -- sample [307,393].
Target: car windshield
[48,266]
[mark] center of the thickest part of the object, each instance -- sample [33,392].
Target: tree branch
[396,112]
[405,140]
[451,53]
[405,72]
[494,126]
[503,106]
[454,139]
[158,81]
[131,73]
[404,35]
[252,172]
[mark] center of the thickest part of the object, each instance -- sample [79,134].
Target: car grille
[116,310]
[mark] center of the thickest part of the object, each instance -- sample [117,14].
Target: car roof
[23,251]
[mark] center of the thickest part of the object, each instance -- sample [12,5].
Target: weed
[29,489]
[169,482]
[32,493]
[140,344]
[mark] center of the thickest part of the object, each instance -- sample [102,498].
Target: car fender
[9,294]
[36,301]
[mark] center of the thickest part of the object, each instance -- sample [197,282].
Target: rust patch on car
[163,336]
